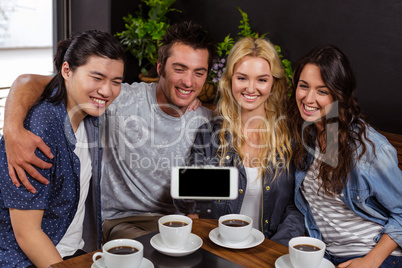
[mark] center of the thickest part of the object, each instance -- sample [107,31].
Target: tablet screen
[204,182]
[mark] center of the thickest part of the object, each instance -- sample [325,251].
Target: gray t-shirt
[141,144]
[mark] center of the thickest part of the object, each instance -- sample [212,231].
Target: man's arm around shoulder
[21,143]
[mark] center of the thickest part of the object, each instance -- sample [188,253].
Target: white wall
[25,23]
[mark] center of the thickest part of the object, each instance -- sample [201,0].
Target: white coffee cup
[112,260]
[175,237]
[235,235]
[306,259]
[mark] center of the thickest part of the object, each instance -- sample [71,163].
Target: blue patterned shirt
[59,199]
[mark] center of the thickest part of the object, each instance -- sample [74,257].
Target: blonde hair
[276,137]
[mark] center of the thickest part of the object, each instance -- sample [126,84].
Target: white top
[253,197]
[72,239]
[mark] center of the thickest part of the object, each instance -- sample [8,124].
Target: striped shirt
[344,232]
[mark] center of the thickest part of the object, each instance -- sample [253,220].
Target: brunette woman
[347,177]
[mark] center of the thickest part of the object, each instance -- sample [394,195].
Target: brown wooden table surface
[263,255]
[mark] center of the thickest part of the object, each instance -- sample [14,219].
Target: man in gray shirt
[141,144]
[146,130]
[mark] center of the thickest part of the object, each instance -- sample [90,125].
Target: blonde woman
[250,132]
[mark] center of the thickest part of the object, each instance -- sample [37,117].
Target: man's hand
[193,216]
[20,143]
[20,149]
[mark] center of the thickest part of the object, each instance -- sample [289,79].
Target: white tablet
[204,182]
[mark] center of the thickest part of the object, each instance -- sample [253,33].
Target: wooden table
[263,255]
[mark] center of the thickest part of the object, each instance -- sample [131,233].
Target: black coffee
[235,223]
[122,250]
[305,247]
[175,224]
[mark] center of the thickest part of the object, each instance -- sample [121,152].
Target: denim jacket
[280,219]
[373,190]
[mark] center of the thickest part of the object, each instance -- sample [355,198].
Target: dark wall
[119,9]
[105,15]
[368,31]
[90,14]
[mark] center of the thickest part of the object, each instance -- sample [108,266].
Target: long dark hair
[345,131]
[76,52]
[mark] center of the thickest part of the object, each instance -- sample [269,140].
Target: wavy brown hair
[344,130]
[276,149]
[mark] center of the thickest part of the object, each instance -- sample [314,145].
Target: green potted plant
[143,33]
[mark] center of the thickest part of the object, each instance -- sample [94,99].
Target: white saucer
[256,238]
[194,242]
[99,263]
[284,262]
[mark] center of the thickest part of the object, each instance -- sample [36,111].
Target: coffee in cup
[306,252]
[235,223]
[123,250]
[121,253]
[235,228]
[306,247]
[175,230]
[175,224]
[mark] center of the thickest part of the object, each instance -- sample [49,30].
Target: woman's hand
[375,257]
[358,263]
[194,105]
